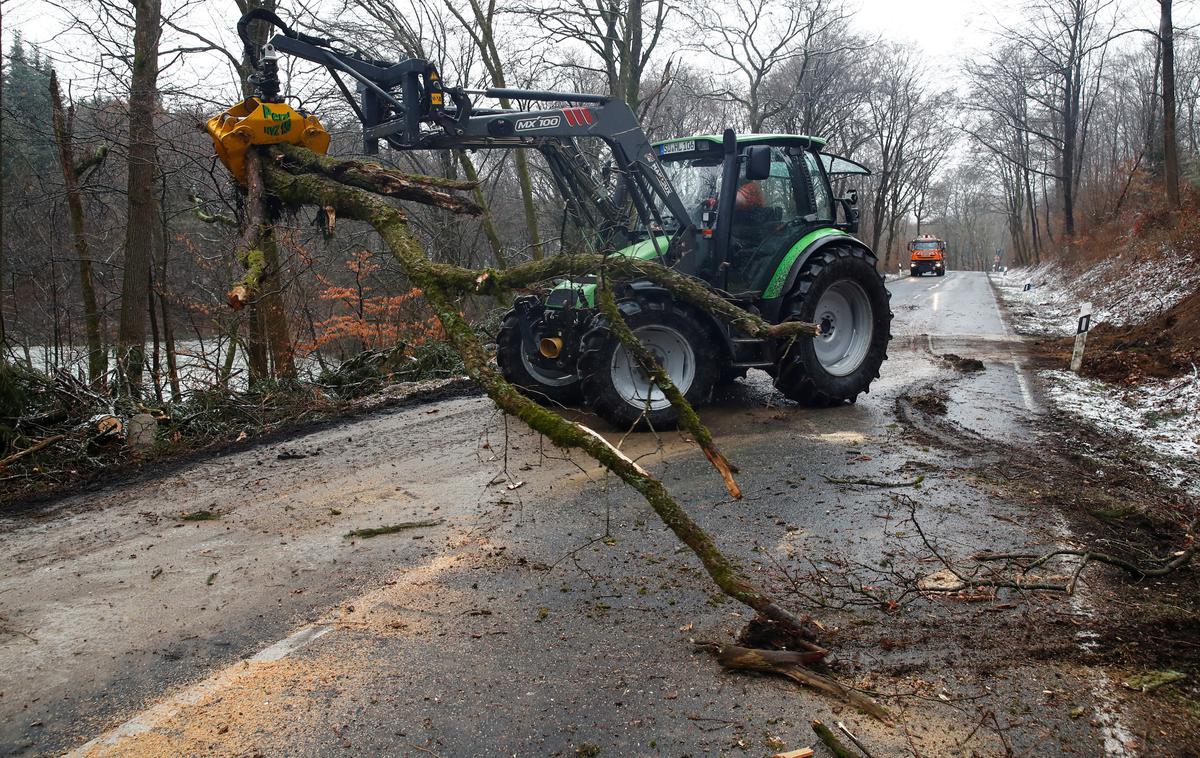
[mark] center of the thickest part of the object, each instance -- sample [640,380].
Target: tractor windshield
[697,182]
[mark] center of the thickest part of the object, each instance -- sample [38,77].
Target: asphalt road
[549,612]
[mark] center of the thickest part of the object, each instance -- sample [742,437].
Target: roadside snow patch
[1162,416]
[1123,290]
[1047,310]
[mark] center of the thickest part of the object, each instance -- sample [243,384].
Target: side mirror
[852,196]
[758,162]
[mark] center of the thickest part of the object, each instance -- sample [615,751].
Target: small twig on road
[850,736]
[874,482]
[378,530]
[426,750]
[1026,562]
[832,742]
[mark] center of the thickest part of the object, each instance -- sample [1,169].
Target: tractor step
[750,352]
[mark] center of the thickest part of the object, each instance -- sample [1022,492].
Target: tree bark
[274,309]
[63,126]
[143,93]
[159,292]
[3,331]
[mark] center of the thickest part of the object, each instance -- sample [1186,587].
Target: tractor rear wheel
[615,386]
[840,291]
[541,384]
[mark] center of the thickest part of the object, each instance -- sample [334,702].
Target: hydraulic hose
[262,14]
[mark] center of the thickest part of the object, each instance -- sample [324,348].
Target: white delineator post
[1081,330]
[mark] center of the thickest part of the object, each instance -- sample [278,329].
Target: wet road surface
[548,612]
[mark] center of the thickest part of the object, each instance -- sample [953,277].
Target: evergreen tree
[29,149]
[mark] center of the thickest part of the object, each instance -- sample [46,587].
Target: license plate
[677,147]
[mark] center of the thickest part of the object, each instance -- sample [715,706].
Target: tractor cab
[781,191]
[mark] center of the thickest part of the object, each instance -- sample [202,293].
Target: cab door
[770,215]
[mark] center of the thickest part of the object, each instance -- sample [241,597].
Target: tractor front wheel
[615,386]
[840,291]
[518,369]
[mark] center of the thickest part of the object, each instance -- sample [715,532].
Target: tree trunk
[1166,33]
[274,310]
[131,332]
[155,342]
[485,41]
[489,228]
[256,346]
[63,125]
[162,246]
[3,334]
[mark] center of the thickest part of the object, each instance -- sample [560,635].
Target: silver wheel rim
[844,315]
[672,351]
[544,378]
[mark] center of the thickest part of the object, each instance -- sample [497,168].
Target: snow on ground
[1162,416]
[1130,291]
[1047,309]
[1123,290]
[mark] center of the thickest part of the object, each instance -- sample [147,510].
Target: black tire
[801,374]
[941,272]
[526,377]
[913,272]
[602,357]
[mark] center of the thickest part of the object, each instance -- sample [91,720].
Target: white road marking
[1116,737]
[160,712]
[1023,383]
[163,711]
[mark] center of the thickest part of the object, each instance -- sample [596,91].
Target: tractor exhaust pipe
[550,347]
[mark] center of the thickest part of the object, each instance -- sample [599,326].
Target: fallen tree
[297,178]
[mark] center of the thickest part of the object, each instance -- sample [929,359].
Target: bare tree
[143,208]
[1067,40]
[622,37]
[908,144]
[758,37]
[481,26]
[1004,127]
[64,119]
[1166,36]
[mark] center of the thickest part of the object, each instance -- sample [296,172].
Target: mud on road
[545,611]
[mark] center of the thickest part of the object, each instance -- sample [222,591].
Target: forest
[119,225]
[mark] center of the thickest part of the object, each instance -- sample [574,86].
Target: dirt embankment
[1147,330]
[1161,348]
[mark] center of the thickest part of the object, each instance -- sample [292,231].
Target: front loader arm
[406,104]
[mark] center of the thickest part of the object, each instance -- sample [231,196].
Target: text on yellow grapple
[252,122]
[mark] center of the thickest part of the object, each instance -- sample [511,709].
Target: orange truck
[927,254]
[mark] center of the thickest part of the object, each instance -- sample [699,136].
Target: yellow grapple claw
[252,122]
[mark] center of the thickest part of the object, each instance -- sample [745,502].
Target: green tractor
[781,246]
[754,217]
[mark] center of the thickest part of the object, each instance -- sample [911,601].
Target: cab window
[822,201]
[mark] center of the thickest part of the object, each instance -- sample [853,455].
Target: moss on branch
[375,178]
[441,284]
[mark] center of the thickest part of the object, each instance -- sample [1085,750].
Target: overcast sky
[947,31]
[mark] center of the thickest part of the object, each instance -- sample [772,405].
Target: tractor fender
[789,268]
[650,290]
